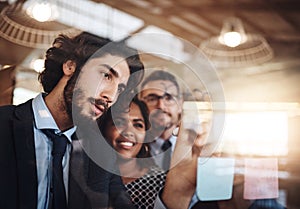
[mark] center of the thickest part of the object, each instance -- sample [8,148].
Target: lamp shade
[246,50]
[232,33]
[18,27]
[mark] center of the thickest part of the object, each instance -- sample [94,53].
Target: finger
[183,147]
[200,140]
[190,136]
[198,145]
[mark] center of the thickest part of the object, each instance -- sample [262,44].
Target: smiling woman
[125,130]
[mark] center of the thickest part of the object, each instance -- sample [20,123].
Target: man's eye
[151,99]
[169,97]
[107,76]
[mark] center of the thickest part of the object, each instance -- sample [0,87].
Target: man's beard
[158,120]
[86,126]
[88,132]
[73,96]
[68,95]
[99,102]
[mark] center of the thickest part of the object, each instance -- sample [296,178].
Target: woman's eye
[139,125]
[121,89]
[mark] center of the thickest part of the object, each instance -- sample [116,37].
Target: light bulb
[42,12]
[38,65]
[232,39]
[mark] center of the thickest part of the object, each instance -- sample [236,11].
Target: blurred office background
[253,47]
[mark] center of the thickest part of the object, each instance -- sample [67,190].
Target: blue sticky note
[215,178]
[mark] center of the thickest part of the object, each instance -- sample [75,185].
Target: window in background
[256,133]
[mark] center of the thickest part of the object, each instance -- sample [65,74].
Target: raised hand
[181,178]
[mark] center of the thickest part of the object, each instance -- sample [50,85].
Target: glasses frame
[156,97]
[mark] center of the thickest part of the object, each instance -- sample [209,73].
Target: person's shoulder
[6,111]
[157,172]
[156,178]
[7,108]
[9,111]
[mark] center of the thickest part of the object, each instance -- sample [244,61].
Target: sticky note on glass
[215,178]
[261,178]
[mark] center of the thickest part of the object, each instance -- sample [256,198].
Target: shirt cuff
[194,200]
[158,204]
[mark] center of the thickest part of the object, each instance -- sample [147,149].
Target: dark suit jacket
[90,186]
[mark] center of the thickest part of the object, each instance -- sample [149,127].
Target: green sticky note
[215,178]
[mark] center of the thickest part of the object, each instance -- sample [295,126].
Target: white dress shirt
[156,151]
[43,147]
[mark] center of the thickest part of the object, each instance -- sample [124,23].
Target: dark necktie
[57,191]
[166,148]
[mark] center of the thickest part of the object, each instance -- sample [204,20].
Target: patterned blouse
[144,190]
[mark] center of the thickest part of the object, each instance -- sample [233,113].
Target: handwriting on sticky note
[261,178]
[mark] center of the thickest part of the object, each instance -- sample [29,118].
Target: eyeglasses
[167,99]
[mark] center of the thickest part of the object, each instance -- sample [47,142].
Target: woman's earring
[175,131]
[146,148]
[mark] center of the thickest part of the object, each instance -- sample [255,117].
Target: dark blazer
[90,186]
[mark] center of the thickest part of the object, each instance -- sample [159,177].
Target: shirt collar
[43,118]
[159,142]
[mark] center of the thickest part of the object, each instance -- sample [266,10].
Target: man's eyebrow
[111,69]
[152,95]
[165,94]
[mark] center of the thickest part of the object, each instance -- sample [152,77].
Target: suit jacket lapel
[76,197]
[92,186]
[25,156]
[84,189]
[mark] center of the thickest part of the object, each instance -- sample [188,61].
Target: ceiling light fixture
[18,27]
[234,48]
[37,65]
[41,11]
[233,33]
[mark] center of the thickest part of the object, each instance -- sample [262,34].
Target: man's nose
[109,95]
[161,103]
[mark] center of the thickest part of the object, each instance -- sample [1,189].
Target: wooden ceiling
[197,20]
[278,21]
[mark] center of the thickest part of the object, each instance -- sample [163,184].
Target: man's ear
[140,95]
[69,67]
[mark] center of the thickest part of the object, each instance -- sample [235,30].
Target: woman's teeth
[129,144]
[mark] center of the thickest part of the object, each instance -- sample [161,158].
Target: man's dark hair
[79,49]
[161,75]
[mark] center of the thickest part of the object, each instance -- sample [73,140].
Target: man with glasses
[161,92]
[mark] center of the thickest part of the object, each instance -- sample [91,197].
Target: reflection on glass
[256,133]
